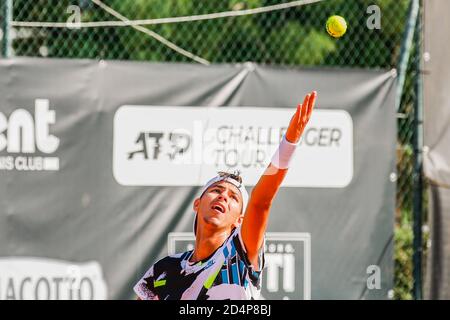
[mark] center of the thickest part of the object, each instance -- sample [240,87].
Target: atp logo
[22,136]
[287,270]
[155,145]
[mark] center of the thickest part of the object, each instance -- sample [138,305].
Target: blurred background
[290,37]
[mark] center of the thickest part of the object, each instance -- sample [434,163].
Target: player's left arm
[257,213]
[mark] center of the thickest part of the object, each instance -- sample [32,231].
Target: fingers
[305,103]
[304,110]
[298,111]
[311,104]
[295,118]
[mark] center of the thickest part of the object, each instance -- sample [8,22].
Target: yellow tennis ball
[336,26]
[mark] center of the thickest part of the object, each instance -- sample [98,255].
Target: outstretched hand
[301,117]
[254,223]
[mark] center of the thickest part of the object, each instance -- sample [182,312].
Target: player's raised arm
[257,213]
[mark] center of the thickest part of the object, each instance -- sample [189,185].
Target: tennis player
[228,256]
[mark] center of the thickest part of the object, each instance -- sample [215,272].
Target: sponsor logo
[287,270]
[185,146]
[29,278]
[22,136]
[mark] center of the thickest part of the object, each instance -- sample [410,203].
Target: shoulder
[175,257]
[170,261]
[163,264]
[145,288]
[242,251]
[235,252]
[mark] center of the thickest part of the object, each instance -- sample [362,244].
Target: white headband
[238,185]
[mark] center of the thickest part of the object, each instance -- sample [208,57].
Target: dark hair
[235,176]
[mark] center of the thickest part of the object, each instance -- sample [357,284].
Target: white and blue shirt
[226,275]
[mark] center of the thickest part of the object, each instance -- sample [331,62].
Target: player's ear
[196,204]
[239,221]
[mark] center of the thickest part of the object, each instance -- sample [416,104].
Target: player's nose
[223,196]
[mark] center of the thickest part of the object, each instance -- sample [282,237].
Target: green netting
[293,36]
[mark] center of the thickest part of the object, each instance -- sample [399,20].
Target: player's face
[220,206]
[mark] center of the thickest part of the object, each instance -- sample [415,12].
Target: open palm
[301,117]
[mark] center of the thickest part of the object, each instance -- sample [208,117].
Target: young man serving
[228,256]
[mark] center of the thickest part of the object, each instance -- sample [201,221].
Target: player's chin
[215,220]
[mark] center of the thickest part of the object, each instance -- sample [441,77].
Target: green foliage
[403,268]
[295,36]
[403,256]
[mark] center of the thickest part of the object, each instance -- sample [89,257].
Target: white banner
[185,146]
[31,278]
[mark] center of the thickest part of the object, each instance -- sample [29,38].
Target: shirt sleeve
[144,288]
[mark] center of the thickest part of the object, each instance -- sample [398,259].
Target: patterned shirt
[226,275]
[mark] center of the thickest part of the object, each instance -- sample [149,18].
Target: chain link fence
[294,36]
